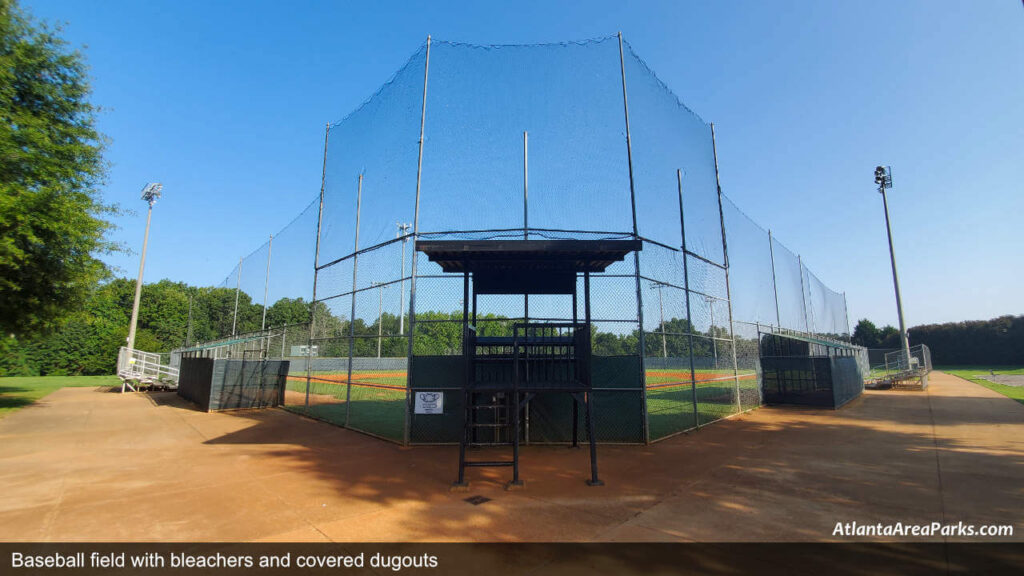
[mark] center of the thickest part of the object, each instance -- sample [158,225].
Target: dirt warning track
[86,465]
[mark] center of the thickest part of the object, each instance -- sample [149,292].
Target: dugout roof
[526,266]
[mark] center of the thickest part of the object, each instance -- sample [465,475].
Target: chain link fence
[556,142]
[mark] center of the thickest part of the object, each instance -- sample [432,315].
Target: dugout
[800,369]
[230,384]
[531,379]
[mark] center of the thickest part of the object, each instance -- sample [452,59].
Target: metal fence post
[352,315]
[238,287]
[846,318]
[725,257]
[526,214]
[636,254]
[775,286]
[415,237]
[686,288]
[803,294]
[316,269]
[266,283]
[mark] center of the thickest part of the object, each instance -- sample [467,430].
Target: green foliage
[52,222]
[996,342]
[868,335]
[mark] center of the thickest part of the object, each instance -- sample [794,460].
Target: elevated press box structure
[540,370]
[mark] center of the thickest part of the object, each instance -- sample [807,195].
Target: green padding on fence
[438,428]
[616,372]
[847,381]
[444,374]
[618,417]
[437,372]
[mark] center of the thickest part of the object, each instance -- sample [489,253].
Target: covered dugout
[801,369]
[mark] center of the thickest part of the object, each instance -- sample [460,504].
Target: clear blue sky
[225,104]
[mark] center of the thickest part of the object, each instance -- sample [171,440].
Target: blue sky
[225,103]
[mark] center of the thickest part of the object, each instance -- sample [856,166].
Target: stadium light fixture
[883,178]
[150,194]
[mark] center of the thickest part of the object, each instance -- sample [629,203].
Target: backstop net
[576,140]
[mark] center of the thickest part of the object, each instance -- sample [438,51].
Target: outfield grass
[382,410]
[19,391]
[975,374]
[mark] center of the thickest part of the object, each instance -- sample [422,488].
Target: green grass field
[19,391]
[378,408]
[975,373]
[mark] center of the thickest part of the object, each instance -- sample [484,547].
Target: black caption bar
[500,559]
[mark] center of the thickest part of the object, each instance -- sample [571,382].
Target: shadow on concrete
[779,474]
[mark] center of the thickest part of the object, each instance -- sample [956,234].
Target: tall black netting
[563,141]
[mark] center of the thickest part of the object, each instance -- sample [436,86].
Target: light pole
[661,309]
[403,229]
[150,194]
[883,177]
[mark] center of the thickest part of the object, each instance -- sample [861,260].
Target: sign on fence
[430,402]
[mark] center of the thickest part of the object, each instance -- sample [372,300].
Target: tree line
[173,315]
[995,342]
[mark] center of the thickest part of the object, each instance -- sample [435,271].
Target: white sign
[430,402]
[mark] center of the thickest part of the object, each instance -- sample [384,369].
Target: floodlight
[883,177]
[152,192]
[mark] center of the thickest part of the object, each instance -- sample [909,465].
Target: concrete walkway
[88,465]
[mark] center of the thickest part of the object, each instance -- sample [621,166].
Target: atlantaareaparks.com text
[932,529]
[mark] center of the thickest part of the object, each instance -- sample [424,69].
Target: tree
[52,221]
[865,334]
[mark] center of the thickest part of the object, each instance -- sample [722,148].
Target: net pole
[803,294]
[380,316]
[238,288]
[415,236]
[352,314]
[316,268]
[266,283]
[775,286]
[636,254]
[846,316]
[686,287]
[725,257]
[526,212]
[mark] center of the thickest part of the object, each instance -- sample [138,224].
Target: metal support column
[588,397]
[775,286]
[238,288]
[803,294]
[636,254]
[415,237]
[725,257]
[686,287]
[266,282]
[316,269]
[352,314]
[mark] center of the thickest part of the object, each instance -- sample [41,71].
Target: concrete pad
[86,465]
